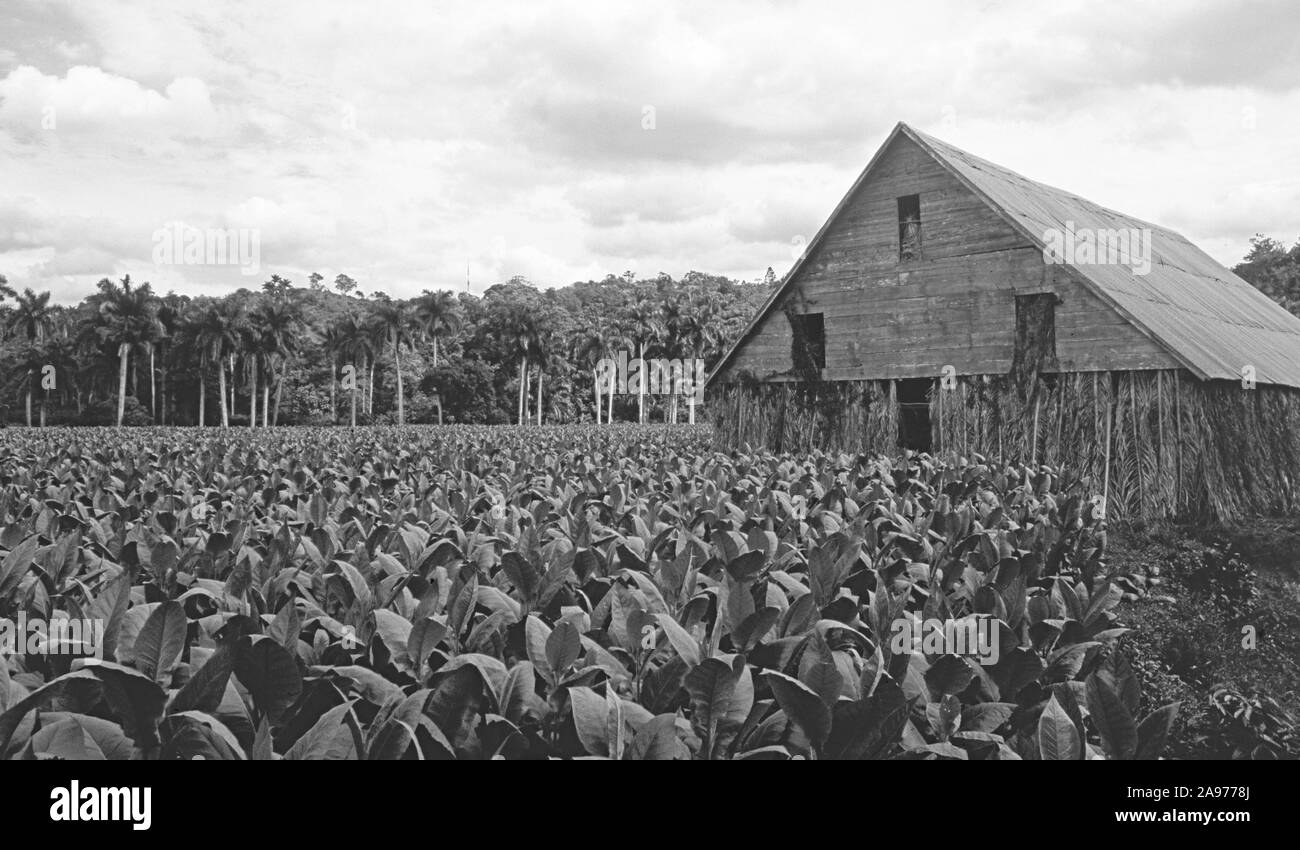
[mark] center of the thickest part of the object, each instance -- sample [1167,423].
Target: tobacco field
[617,592]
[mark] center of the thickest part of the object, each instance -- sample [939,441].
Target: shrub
[467,389]
[1223,576]
[306,404]
[1254,726]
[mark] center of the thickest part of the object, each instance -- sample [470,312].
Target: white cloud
[401,145]
[89,100]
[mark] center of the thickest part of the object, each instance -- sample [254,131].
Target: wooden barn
[952,305]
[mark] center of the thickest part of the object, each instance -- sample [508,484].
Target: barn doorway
[914,414]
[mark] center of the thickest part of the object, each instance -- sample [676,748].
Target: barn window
[909,227]
[810,341]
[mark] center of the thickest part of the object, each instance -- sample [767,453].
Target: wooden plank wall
[954,306]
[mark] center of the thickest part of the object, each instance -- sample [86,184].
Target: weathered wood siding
[954,306]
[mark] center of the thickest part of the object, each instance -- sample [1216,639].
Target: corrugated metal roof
[1202,313]
[1214,322]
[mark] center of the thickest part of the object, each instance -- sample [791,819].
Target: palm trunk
[355,380]
[203,398]
[123,354]
[370,407]
[232,384]
[153,387]
[266,400]
[252,397]
[523,376]
[334,380]
[595,386]
[279,389]
[435,351]
[690,402]
[221,393]
[539,393]
[397,365]
[613,384]
[640,386]
[31,376]
[365,371]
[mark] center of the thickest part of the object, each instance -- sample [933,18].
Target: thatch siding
[1154,443]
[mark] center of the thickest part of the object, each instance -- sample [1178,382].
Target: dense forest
[281,355]
[324,353]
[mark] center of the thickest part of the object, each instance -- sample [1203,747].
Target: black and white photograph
[677,381]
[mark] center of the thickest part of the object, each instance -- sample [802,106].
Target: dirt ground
[1194,623]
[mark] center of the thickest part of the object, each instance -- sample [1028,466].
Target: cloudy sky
[401,143]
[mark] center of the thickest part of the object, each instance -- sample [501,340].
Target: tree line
[329,353]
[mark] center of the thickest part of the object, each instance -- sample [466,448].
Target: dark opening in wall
[810,342]
[909,227]
[914,413]
[1035,351]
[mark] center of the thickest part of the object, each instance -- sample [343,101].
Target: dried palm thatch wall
[1155,443]
[860,416]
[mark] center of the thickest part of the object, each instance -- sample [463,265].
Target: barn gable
[982,245]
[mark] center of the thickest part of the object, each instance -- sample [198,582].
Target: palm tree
[335,344]
[172,315]
[217,334]
[277,286]
[623,332]
[127,316]
[378,334]
[356,343]
[699,333]
[53,352]
[32,318]
[399,322]
[62,349]
[280,328]
[97,359]
[438,314]
[543,356]
[524,338]
[674,309]
[645,326]
[595,342]
[254,350]
[28,362]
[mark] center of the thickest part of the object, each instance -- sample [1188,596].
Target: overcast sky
[401,142]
